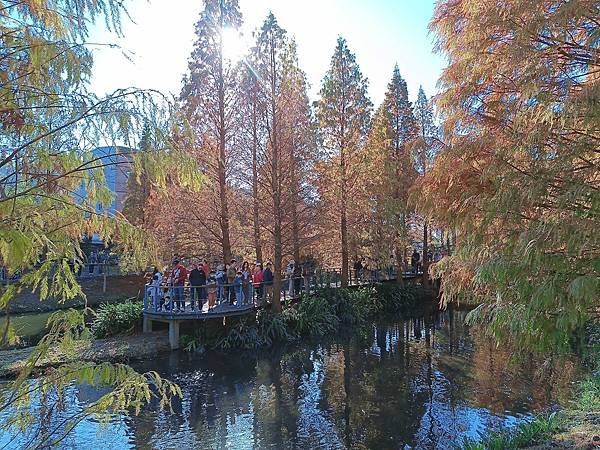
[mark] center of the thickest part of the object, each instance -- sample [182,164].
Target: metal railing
[219,297]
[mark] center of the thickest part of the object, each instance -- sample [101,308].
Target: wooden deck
[174,317]
[218,312]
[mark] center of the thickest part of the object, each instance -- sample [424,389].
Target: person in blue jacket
[220,277]
[239,288]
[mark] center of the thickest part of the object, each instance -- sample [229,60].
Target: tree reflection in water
[417,383]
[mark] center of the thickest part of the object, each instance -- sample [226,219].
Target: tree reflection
[426,382]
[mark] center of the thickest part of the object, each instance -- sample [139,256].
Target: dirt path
[115,349]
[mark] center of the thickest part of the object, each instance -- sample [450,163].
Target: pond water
[423,383]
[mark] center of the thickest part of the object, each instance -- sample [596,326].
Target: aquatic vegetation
[524,435]
[313,316]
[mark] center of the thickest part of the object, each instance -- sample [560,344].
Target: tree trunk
[399,265]
[295,215]
[276,186]
[224,213]
[255,207]
[344,219]
[425,252]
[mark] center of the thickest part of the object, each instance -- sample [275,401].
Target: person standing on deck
[211,288]
[357,270]
[154,288]
[297,279]
[289,272]
[231,272]
[238,288]
[268,283]
[414,260]
[197,283]
[178,276]
[246,280]
[206,268]
[220,277]
[93,260]
[257,280]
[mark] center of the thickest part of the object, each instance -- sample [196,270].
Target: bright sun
[234,47]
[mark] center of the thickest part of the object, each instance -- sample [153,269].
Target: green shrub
[314,316]
[273,327]
[404,299]
[351,306]
[243,334]
[117,318]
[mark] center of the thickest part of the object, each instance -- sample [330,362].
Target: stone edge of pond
[122,349]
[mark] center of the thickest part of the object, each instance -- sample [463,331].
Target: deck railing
[172,299]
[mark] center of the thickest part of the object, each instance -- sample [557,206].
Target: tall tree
[300,145]
[390,172]
[425,147]
[252,139]
[343,113]
[208,97]
[519,175]
[270,45]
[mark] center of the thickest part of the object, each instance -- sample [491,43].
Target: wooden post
[174,334]
[147,327]
[104,283]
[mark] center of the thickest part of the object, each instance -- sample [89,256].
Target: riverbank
[118,349]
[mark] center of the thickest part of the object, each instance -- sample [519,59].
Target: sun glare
[234,46]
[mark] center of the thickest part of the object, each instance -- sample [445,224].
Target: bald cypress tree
[390,172]
[208,98]
[343,114]
[518,176]
[425,147]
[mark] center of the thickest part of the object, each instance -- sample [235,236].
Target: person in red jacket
[257,281]
[178,277]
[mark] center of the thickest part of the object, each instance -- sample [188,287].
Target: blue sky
[155,48]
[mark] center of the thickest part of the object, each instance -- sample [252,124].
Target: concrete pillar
[147,328]
[174,334]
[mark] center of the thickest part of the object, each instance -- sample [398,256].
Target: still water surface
[423,383]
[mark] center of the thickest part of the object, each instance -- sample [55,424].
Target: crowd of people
[199,285]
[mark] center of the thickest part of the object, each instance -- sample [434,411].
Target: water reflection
[418,383]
